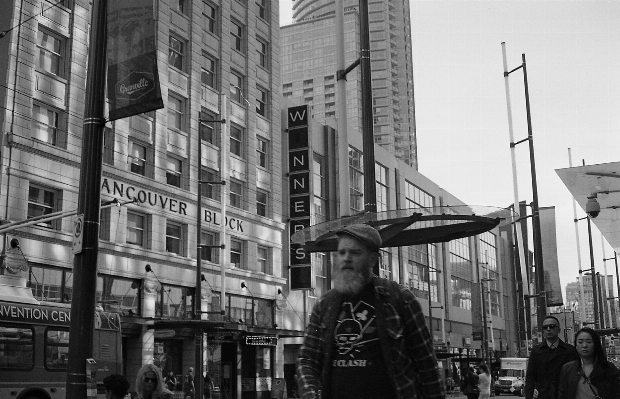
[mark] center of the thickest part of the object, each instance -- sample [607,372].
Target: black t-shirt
[358,370]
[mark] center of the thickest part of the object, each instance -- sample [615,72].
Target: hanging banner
[133,81]
[553,287]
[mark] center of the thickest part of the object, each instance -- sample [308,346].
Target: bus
[34,345]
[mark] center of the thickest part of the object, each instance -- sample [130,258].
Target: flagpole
[89,205]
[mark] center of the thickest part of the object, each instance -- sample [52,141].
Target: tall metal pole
[618,291]
[341,108]
[485,344]
[370,189]
[582,301]
[89,205]
[593,275]
[198,334]
[540,271]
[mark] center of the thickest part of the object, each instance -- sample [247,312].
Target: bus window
[16,348]
[56,349]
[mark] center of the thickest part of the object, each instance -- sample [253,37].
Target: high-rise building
[205,49]
[309,68]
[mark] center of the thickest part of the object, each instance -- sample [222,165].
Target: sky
[572,50]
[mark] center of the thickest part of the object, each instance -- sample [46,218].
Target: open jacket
[405,343]
[605,379]
[544,367]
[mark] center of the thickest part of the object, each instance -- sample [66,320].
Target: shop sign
[160,334]
[259,340]
[220,336]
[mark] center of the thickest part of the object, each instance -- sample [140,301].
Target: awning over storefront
[603,183]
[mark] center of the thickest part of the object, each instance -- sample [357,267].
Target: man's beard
[351,282]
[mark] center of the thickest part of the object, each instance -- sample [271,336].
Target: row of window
[42,201]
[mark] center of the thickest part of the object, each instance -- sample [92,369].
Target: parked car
[511,385]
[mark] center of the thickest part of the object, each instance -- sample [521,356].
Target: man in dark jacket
[546,361]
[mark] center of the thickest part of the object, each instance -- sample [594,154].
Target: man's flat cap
[364,233]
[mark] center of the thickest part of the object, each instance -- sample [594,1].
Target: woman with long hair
[592,376]
[484,381]
[150,383]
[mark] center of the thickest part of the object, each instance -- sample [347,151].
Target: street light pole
[484,323]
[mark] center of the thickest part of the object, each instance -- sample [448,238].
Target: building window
[264,263]
[174,171]
[45,125]
[208,130]
[175,113]
[104,224]
[179,5]
[261,202]
[262,152]
[210,190]
[208,73]
[137,158]
[415,197]
[50,284]
[136,229]
[236,140]
[319,261]
[173,302]
[236,83]
[108,146]
[262,102]
[262,52]
[208,252]
[176,52]
[262,8]
[41,202]
[210,16]
[236,31]
[356,177]
[381,173]
[236,194]
[50,53]
[236,253]
[319,188]
[174,238]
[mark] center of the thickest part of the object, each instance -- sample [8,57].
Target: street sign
[78,230]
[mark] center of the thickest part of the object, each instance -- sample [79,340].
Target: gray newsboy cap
[364,233]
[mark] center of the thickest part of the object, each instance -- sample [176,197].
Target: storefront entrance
[221,366]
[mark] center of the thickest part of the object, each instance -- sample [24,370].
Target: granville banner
[133,82]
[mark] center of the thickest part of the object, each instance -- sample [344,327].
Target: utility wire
[5,32]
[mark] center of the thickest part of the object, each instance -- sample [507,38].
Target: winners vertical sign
[299,190]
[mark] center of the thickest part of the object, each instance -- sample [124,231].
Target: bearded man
[367,338]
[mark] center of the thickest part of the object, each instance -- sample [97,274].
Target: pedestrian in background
[469,384]
[208,386]
[367,338]
[171,381]
[116,386]
[150,383]
[546,361]
[592,376]
[188,385]
[484,381]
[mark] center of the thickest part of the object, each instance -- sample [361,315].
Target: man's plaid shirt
[405,342]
